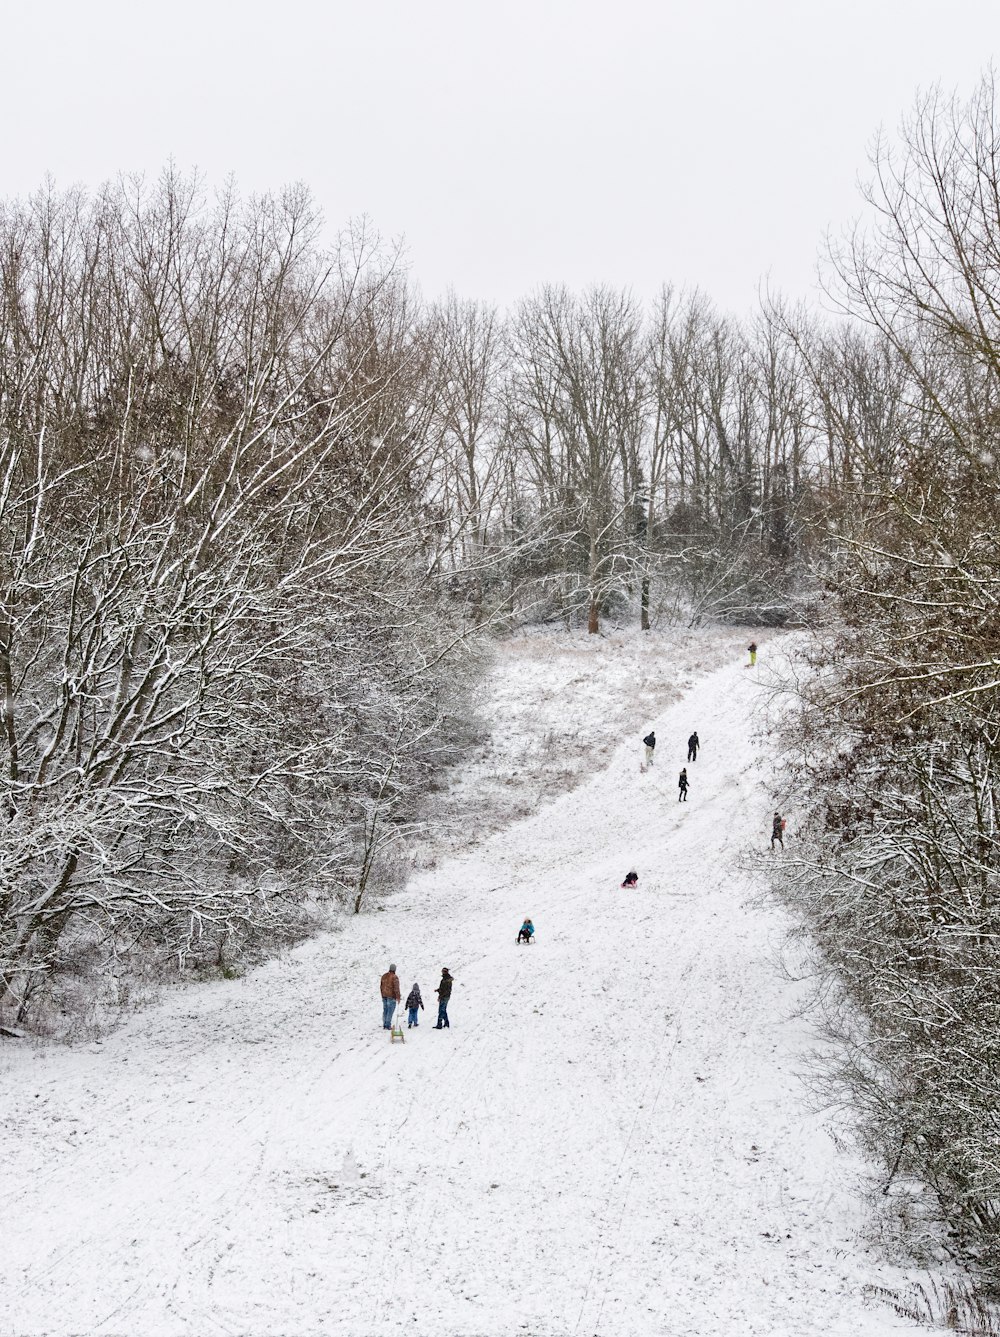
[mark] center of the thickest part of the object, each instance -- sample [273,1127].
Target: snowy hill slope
[612,1138]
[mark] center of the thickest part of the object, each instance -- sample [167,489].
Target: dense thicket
[214,647]
[900,868]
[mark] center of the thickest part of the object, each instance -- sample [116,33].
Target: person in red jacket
[389,986]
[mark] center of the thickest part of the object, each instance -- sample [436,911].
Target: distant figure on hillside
[778,830]
[693,746]
[682,786]
[413,1005]
[631,880]
[526,932]
[443,992]
[650,741]
[389,986]
[752,647]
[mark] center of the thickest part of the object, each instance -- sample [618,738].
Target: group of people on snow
[392,995]
[694,744]
[649,742]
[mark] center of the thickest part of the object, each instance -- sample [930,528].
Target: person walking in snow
[443,992]
[389,985]
[682,786]
[693,746]
[650,741]
[413,1005]
[631,880]
[778,830]
[752,647]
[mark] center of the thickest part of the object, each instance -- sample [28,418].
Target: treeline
[258,502]
[218,654]
[899,737]
[256,495]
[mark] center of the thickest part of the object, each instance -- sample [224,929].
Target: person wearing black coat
[682,786]
[650,741]
[443,992]
[693,746]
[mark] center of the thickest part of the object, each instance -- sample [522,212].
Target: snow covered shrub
[900,878]
[215,642]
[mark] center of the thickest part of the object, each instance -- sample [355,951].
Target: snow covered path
[612,1138]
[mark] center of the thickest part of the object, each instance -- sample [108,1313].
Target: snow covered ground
[612,1139]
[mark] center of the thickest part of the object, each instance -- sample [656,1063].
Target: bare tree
[900,870]
[578,395]
[202,486]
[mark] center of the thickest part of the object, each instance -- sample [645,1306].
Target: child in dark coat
[413,1005]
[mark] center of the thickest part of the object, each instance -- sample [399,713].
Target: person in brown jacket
[391,995]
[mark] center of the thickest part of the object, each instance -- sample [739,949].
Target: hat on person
[392,967]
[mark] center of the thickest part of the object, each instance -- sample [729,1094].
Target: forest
[263,508]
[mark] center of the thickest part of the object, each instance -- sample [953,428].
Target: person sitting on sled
[631,880]
[526,932]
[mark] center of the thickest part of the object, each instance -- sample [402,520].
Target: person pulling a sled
[413,1005]
[389,989]
[631,880]
[682,786]
[693,746]
[526,932]
[650,742]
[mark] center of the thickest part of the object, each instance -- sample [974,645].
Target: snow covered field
[612,1139]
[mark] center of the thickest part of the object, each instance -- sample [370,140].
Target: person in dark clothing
[526,932]
[682,786]
[413,1005]
[389,989]
[631,880]
[443,992]
[778,830]
[650,741]
[693,746]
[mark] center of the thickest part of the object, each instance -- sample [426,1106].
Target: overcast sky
[510,144]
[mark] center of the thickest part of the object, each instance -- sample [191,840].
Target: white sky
[708,142]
